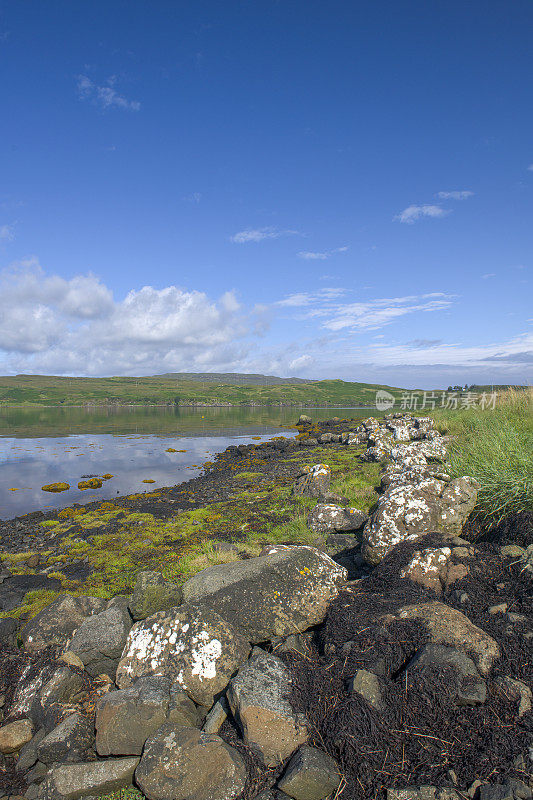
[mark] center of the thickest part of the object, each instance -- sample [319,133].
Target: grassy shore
[495,446]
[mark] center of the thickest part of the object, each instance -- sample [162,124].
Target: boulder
[471,689]
[67,742]
[8,631]
[409,511]
[518,691]
[15,735]
[152,594]
[56,623]
[428,567]
[187,763]
[100,639]
[327,518]
[92,779]
[312,481]
[303,419]
[125,719]
[190,644]
[310,775]
[447,626]
[258,700]
[61,686]
[272,595]
[13,588]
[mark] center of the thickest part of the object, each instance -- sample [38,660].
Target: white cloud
[7,233]
[321,256]
[302,362]
[464,195]
[259,234]
[488,275]
[410,214]
[530,168]
[49,324]
[105,96]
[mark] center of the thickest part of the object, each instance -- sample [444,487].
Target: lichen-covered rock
[312,481]
[327,517]
[310,775]
[190,644]
[273,595]
[100,639]
[93,779]
[447,626]
[151,594]
[428,567]
[180,762]
[56,623]
[258,700]
[408,511]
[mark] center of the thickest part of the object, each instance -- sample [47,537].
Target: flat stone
[91,779]
[187,763]
[273,595]
[217,716]
[313,481]
[15,735]
[310,775]
[258,700]
[190,644]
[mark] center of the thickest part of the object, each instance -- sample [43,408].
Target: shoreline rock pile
[255,678]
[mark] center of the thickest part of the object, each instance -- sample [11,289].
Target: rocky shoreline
[391,659]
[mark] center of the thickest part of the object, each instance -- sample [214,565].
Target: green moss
[32,603]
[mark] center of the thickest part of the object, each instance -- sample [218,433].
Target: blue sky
[321,189]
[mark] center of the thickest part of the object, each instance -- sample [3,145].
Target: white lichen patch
[427,561]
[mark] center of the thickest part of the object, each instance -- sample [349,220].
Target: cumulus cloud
[300,363]
[49,324]
[463,195]
[259,234]
[321,256]
[105,96]
[413,213]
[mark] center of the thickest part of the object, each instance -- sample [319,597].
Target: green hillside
[46,390]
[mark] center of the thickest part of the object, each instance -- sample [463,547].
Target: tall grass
[495,446]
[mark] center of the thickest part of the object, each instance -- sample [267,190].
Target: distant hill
[232,378]
[187,389]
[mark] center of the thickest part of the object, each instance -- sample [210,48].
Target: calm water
[49,445]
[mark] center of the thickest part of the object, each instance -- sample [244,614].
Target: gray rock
[28,754]
[471,688]
[56,623]
[518,691]
[96,778]
[125,719]
[303,419]
[187,763]
[152,594]
[100,639]
[310,775]
[217,716]
[190,644]
[423,793]
[314,481]
[496,791]
[366,684]
[8,631]
[275,595]
[68,742]
[258,700]
[327,518]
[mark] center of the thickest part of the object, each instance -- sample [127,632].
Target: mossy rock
[56,487]
[152,593]
[90,483]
